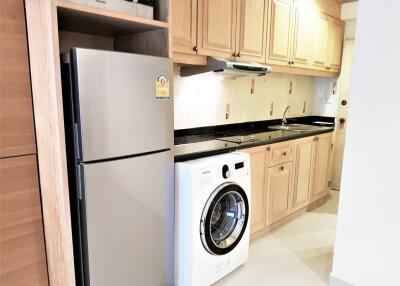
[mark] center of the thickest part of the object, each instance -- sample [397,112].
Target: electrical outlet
[227,111]
[271,109]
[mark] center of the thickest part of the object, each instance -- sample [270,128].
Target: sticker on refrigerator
[162,87]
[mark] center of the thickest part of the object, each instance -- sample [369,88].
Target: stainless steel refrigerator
[118,114]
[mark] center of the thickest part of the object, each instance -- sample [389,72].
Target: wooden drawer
[280,153]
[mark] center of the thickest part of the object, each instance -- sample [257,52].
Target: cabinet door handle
[238,54]
[233,54]
[289,62]
[195,48]
[284,153]
[268,148]
[282,168]
[315,138]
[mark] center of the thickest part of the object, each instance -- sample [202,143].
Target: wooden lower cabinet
[278,188]
[258,199]
[303,170]
[322,152]
[22,249]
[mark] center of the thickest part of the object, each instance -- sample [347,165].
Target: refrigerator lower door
[130,220]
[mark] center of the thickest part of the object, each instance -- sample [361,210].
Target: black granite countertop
[207,141]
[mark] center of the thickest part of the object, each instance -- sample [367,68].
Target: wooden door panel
[280,32]
[217,27]
[320,49]
[17,136]
[322,154]
[23,257]
[336,44]
[303,36]
[253,26]
[184,26]
[258,199]
[279,181]
[303,172]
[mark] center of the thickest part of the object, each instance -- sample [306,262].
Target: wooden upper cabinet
[17,136]
[320,48]
[302,37]
[322,154]
[217,27]
[303,170]
[184,26]
[279,186]
[336,37]
[253,15]
[258,199]
[279,39]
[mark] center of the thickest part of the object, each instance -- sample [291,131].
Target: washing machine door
[224,219]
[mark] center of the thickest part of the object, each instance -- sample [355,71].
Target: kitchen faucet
[284,120]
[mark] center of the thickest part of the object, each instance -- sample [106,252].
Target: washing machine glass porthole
[224,219]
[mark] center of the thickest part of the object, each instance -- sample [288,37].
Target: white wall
[367,249]
[201,101]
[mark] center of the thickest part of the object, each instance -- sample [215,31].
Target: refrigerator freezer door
[130,220]
[124,103]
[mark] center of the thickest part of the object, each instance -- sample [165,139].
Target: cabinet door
[303,36]
[303,169]
[184,25]
[17,135]
[22,249]
[217,27]
[253,30]
[320,48]
[336,36]
[322,153]
[279,185]
[258,200]
[280,32]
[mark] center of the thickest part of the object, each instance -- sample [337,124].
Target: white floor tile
[298,253]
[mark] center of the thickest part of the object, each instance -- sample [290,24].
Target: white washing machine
[212,215]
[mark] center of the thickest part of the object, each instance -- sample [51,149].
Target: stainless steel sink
[295,127]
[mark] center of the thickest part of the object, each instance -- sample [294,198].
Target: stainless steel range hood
[226,69]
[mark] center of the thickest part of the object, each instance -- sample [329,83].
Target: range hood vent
[226,69]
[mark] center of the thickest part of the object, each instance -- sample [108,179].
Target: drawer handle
[282,168]
[284,153]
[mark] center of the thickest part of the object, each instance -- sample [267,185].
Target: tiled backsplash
[205,100]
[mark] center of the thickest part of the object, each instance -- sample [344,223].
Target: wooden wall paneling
[22,249]
[17,135]
[149,43]
[68,40]
[41,16]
